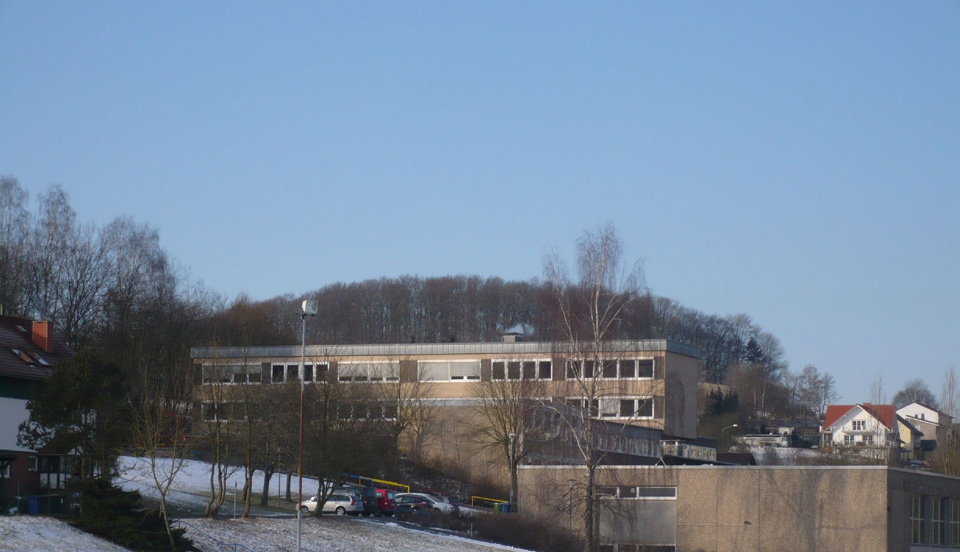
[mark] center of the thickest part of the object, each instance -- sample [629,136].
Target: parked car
[426,502]
[364,495]
[386,501]
[337,503]
[448,500]
[409,502]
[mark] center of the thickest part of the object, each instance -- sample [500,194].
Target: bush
[118,516]
[526,532]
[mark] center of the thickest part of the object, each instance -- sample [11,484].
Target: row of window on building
[374,411]
[934,520]
[615,407]
[620,407]
[432,371]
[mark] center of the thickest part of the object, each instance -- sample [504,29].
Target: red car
[386,502]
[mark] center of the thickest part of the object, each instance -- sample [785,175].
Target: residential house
[933,425]
[28,354]
[865,424]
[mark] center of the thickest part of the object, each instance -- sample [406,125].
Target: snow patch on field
[23,533]
[272,529]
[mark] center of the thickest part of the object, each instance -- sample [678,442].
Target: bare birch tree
[590,306]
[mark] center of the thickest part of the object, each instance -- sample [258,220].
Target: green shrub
[118,516]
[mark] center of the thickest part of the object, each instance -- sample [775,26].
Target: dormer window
[23,356]
[39,359]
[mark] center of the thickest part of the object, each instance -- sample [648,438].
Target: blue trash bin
[33,505]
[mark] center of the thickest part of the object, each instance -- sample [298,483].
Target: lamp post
[724,429]
[308,308]
[513,469]
[570,505]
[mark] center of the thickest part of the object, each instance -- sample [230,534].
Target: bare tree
[407,409]
[950,393]
[14,233]
[877,396]
[590,307]
[160,426]
[506,410]
[915,391]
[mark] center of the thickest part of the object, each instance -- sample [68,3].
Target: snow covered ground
[23,533]
[272,528]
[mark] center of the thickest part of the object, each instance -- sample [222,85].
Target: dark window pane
[645,407]
[572,370]
[588,369]
[513,370]
[628,369]
[308,372]
[498,371]
[627,407]
[645,368]
[529,370]
[546,371]
[278,373]
[610,369]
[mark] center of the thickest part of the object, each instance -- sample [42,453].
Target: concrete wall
[762,509]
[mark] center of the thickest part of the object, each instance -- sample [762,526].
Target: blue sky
[797,162]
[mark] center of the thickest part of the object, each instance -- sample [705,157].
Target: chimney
[43,335]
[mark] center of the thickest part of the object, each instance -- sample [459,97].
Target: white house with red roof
[860,425]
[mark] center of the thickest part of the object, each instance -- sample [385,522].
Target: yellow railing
[382,483]
[484,502]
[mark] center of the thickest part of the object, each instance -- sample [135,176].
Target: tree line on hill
[119,299]
[115,290]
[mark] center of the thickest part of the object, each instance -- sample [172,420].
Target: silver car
[338,503]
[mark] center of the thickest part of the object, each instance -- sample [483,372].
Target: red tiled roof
[883,412]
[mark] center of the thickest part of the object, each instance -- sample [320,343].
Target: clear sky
[795,161]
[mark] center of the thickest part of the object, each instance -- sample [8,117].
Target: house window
[285,372]
[581,404]
[458,370]
[367,411]
[617,407]
[918,527]
[369,371]
[955,523]
[5,472]
[32,463]
[609,369]
[514,369]
[859,425]
[848,440]
[938,521]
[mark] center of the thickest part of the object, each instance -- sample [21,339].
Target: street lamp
[513,468]
[570,505]
[724,429]
[308,308]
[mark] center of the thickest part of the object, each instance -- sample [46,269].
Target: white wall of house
[920,412]
[12,412]
[859,428]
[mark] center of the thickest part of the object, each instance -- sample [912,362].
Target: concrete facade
[762,509]
[661,376]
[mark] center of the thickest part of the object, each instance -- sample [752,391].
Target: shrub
[118,516]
